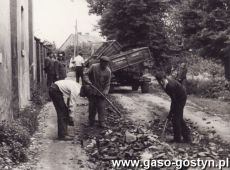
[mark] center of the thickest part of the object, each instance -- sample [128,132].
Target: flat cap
[105,58]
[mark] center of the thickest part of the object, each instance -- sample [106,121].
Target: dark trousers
[179,126]
[79,73]
[61,109]
[51,78]
[96,105]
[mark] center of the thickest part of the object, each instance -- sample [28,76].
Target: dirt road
[48,153]
[144,107]
[140,110]
[60,155]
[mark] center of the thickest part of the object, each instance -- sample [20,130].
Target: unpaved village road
[53,154]
[47,153]
[143,108]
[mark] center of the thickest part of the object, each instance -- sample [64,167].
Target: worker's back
[175,90]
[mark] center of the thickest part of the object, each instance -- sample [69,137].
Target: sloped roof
[86,39]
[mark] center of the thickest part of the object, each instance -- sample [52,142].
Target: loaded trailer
[127,67]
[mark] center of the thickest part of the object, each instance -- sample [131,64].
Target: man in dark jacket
[50,69]
[60,69]
[178,97]
[98,75]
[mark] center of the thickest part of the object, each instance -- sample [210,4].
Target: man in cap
[178,97]
[60,68]
[98,75]
[50,68]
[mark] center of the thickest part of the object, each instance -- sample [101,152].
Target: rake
[163,132]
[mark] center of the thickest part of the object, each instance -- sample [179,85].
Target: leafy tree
[206,26]
[133,23]
[97,6]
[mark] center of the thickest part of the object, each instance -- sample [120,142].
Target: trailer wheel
[145,87]
[135,87]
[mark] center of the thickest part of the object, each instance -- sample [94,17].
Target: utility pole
[75,40]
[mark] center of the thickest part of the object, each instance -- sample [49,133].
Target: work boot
[91,123]
[187,140]
[102,125]
[65,138]
[174,141]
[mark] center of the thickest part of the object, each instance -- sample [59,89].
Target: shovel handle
[111,104]
[165,125]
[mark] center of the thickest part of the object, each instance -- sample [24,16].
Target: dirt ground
[52,154]
[144,107]
[48,153]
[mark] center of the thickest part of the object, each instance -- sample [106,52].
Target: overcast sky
[54,20]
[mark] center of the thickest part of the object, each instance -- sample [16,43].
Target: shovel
[163,132]
[111,104]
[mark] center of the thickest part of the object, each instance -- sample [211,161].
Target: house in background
[83,40]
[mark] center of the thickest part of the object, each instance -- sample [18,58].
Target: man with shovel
[98,76]
[178,97]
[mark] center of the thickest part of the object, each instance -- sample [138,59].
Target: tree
[97,6]
[206,26]
[133,23]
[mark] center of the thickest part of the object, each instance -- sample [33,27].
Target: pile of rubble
[124,140]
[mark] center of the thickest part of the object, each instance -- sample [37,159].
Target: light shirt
[76,61]
[70,89]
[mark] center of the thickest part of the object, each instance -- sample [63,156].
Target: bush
[28,119]
[14,138]
[15,135]
[37,96]
[10,132]
[200,66]
[210,88]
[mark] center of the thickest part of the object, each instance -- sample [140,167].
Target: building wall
[19,64]
[31,46]
[23,40]
[5,61]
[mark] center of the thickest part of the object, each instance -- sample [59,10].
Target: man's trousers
[51,78]
[96,105]
[179,126]
[61,109]
[79,73]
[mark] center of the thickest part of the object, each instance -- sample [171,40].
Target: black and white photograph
[115,85]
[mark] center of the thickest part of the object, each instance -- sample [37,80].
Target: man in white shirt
[78,63]
[57,91]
